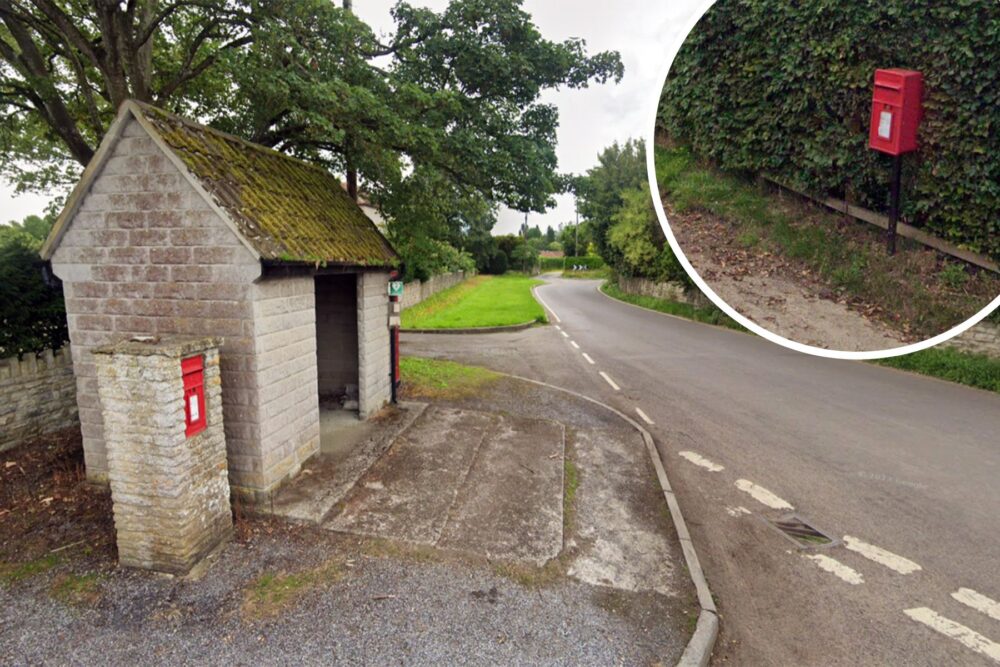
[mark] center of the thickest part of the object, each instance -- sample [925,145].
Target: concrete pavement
[904,466]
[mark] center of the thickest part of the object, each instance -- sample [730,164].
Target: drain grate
[801,531]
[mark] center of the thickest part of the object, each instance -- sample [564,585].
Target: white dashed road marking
[645,417]
[700,460]
[564,334]
[881,556]
[949,628]
[558,328]
[762,495]
[574,344]
[836,568]
[739,510]
[978,601]
[610,381]
[587,357]
[546,307]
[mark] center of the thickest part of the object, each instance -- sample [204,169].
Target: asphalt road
[906,468]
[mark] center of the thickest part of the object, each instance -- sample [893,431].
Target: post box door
[193,371]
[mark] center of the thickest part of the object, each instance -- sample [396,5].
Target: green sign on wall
[395,288]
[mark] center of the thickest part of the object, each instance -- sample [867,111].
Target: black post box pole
[897,170]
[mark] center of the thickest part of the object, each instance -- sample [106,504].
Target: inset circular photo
[831,176]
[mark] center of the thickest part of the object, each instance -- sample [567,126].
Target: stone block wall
[984,338]
[336,333]
[145,254]
[374,385]
[287,392]
[416,291]
[170,492]
[667,291]
[37,396]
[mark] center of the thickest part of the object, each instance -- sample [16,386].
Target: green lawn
[437,378]
[482,301]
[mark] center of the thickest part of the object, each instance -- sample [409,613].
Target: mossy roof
[285,208]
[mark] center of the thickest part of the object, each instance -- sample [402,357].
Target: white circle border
[654,190]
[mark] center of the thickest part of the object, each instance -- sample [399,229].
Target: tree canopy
[439,120]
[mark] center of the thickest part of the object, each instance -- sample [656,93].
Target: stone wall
[984,338]
[37,396]
[667,291]
[416,291]
[287,392]
[374,357]
[170,491]
[145,254]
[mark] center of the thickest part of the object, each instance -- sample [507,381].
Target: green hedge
[591,262]
[781,87]
[551,263]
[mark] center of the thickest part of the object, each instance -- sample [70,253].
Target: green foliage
[591,262]
[437,378]
[638,243]
[551,263]
[600,193]
[785,88]
[576,239]
[974,370]
[499,263]
[483,301]
[425,257]
[32,314]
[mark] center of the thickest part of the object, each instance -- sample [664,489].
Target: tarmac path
[902,471]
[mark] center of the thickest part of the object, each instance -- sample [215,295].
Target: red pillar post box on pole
[896,113]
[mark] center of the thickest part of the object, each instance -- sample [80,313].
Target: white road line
[644,416]
[574,344]
[762,495]
[881,556]
[587,357]
[564,334]
[610,381]
[739,510]
[558,328]
[978,601]
[700,460]
[949,628]
[547,307]
[836,568]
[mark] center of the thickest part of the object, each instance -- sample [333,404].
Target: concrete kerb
[699,648]
[474,330]
[676,317]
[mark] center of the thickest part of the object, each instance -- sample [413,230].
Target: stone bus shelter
[179,229]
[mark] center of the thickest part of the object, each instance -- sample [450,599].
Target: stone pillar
[170,491]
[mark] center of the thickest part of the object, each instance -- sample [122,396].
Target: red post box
[193,370]
[896,111]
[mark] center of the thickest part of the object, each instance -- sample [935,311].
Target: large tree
[441,113]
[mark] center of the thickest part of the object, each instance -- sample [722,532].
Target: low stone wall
[37,396]
[667,291]
[984,338]
[416,291]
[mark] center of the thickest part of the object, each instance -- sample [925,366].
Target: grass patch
[917,291]
[272,592]
[973,370]
[706,314]
[76,589]
[13,573]
[481,301]
[602,273]
[435,378]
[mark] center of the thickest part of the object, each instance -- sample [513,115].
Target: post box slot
[193,372]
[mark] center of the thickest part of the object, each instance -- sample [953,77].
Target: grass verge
[706,314]
[973,370]
[481,301]
[917,291]
[435,378]
[603,273]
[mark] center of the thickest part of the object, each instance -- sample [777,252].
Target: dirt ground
[283,590]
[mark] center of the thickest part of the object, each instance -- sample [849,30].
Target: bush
[590,262]
[552,263]
[785,88]
[498,263]
[426,257]
[32,314]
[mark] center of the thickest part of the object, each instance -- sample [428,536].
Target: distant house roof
[284,209]
[553,254]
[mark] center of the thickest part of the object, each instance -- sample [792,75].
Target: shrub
[590,262]
[32,314]
[785,88]
[551,263]
[498,263]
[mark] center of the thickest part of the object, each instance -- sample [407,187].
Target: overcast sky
[642,31]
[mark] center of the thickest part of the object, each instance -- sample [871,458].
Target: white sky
[642,31]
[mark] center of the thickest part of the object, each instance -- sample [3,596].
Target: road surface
[901,470]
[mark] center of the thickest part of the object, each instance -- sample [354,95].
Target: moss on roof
[287,209]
